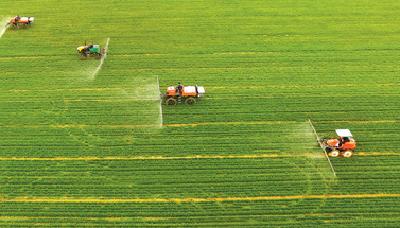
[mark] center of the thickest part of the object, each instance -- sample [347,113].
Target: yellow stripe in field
[189,157]
[193,199]
[15,218]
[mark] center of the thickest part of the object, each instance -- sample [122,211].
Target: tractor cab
[346,141]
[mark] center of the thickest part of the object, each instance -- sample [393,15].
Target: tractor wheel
[170,101]
[190,101]
[334,153]
[328,149]
[347,154]
[97,56]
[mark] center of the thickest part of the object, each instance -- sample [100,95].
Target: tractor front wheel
[328,149]
[170,101]
[334,153]
[347,154]
[190,101]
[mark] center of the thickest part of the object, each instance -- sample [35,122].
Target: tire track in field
[320,177]
[189,157]
[193,199]
[70,133]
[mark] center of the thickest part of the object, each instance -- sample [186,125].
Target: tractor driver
[86,51]
[15,20]
[179,89]
[87,48]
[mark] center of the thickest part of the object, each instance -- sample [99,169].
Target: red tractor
[187,94]
[17,21]
[344,145]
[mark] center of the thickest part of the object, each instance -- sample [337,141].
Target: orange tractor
[187,94]
[17,21]
[344,145]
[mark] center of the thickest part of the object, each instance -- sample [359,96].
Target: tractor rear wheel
[347,154]
[170,101]
[334,153]
[190,101]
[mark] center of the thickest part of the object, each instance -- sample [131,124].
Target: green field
[83,149]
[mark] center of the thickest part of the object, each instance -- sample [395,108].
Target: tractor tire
[334,153]
[328,149]
[347,154]
[190,101]
[170,101]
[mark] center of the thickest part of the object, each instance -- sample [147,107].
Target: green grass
[267,66]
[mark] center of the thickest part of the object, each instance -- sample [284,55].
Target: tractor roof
[189,89]
[200,89]
[343,132]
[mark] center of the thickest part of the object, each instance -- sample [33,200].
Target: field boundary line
[326,154]
[189,157]
[192,199]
